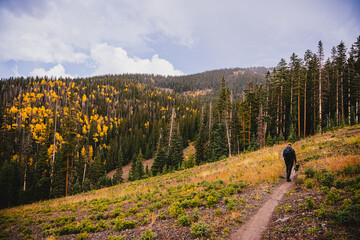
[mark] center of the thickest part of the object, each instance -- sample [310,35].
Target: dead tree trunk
[171,125]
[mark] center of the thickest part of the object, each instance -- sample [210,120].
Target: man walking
[289,158]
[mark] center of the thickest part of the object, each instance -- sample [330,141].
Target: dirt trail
[253,229]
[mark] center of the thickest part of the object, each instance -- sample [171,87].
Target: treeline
[302,97]
[60,137]
[237,80]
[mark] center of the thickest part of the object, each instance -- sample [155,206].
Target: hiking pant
[289,164]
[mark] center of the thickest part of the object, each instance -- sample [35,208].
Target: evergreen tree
[119,172]
[254,145]
[42,175]
[220,143]
[160,157]
[175,154]
[201,144]
[269,140]
[132,171]
[139,170]
[96,169]
[10,184]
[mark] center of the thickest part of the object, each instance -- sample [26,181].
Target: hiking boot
[288,180]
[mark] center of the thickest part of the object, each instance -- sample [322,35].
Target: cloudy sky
[80,38]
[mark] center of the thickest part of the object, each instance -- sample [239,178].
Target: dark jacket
[289,154]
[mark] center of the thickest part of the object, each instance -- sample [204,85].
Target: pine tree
[269,140]
[42,175]
[201,144]
[320,59]
[160,157]
[132,172]
[175,154]
[254,145]
[139,169]
[96,169]
[220,143]
[119,172]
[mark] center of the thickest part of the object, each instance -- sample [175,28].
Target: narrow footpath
[253,229]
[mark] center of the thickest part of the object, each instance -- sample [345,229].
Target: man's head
[290,144]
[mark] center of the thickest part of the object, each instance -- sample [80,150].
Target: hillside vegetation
[209,201]
[206,83]
[60,137]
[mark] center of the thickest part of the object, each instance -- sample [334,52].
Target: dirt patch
[126,169]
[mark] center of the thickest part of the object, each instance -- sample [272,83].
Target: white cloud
[198,34]
[115,60]
[56,71]
[64,30]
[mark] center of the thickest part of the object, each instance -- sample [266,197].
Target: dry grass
[263,166]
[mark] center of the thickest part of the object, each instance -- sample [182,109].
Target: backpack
[287,153]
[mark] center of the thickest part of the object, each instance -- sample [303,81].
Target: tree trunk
[171,125]
[349,108]
[53,157]
[25,176]
[278,116]
[305,104]
[342,98]
[210,118]
[84,172]
[243,120]
[291,91]
[281,110]
[67,176]
[228,137]
[337,98]
[320,102]
[299,107]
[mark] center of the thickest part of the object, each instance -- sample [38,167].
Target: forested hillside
[60,137]
[238,79]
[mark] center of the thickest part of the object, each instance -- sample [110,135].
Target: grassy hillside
[210,201]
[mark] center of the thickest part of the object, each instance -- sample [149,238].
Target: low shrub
[184,220]
[232,203]
[122,224]
[333,196]
[148,235]
[309,183]
[116,237]
[195,202]
[327,180]
[176,209]
[67,229]
[200,229]
[211,201]
[82,236]
[309,203]
[349,216]
[218,212]
[196,215]
[309,172]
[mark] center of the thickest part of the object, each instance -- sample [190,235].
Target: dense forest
[61,136]
[237,79]
[299,98]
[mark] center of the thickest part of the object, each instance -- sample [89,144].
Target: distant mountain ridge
[237,79]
